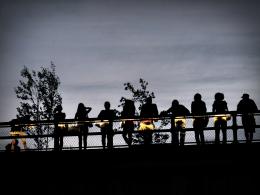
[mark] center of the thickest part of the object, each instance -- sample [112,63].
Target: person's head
[15,142]
[245,96]
[58,108]
[175,103]
[219,96]
[129,105]
[81,107]
[149,100]
[107,105]
[197,97]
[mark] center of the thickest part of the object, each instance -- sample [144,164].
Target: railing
[29,139]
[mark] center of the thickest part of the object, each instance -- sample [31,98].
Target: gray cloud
[180,47]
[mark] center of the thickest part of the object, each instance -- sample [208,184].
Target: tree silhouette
[38,95]
[139,96]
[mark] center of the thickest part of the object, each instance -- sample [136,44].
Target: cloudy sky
[179,47]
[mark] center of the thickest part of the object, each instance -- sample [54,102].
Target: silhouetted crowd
[148,115]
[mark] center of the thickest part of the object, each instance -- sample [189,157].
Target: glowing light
[16,133]
[73,125]
[102,124]
[20,133]
[224,117]
[61,126]
[146,125]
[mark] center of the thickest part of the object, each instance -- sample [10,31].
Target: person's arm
[213,107]
[204,108]
[88,109]
[226,106]
[155,110]
[100,115]
[187,112]
[254,106]
[169,111]
[192,107]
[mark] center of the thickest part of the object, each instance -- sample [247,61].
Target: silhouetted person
[148,110]
[82,115]
[107,126]
[198,109]
[220,107]
[179,112]
[128,125]
[59,129]
[13,146]
[19,128]
[247,107]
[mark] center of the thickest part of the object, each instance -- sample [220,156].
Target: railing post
[234,127]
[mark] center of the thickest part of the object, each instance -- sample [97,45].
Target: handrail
[232,126]
[119,119]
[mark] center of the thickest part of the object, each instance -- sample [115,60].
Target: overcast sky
[179,47]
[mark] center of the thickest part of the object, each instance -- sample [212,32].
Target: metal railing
[38,135]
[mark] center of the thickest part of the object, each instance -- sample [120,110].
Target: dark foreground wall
[230,169]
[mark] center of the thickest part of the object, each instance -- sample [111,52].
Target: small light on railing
[224,117]
[61,125]
[102,124]
[16,133]
[29,126]
[146,125]
[73,125]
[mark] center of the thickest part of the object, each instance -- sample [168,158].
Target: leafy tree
[139,96]
[38,95]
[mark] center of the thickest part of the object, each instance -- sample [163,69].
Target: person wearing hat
[247,107]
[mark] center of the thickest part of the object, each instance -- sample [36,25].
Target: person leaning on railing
[178,112]
[219,107]
[247,108]
[148,110]
[128,125]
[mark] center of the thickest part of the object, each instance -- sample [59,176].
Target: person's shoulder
[182,106]
[8,146]
[154,105]
[102,111]
[251,101]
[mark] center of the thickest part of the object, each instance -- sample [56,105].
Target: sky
[181,47]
